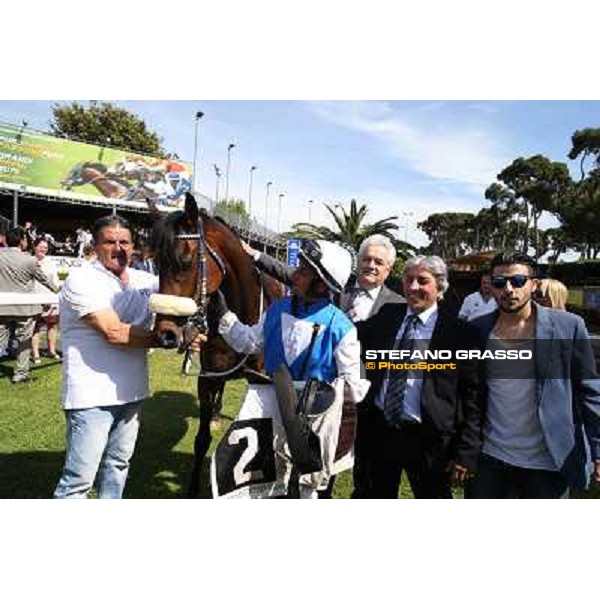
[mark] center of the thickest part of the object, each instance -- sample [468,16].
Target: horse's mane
[226,224]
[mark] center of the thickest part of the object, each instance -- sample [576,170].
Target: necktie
[393,407]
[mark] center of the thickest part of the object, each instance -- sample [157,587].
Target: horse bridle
[198,322]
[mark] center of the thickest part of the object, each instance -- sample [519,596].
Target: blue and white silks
[335,353]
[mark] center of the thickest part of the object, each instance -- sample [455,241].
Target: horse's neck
[240,275]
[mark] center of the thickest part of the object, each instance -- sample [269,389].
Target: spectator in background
[31,234]
[49,316]
[479,303]
[18,273]
[144,261]
[551,293]
[89,254]
[84,238]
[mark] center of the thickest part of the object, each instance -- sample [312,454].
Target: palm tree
[351,230]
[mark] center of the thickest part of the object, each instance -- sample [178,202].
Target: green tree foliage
[234,212]
[579,212]
[350,228]
[538,181]
[585,143]
[104,124]
[450,233]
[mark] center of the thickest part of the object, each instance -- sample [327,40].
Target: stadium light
[229,149]
[199,115]
[218,179]
[279,214]
[252,169]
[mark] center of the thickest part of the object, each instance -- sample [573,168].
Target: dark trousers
[396,450]
[362,470]
[497,479]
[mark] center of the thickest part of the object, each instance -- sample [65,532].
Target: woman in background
[49,316]
[552,293]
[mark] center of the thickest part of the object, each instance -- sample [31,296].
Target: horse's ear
[191,209]
[153,208]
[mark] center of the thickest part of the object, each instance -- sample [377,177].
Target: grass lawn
[32,439]
[32,434]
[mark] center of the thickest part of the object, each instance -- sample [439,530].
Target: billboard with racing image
[52,164]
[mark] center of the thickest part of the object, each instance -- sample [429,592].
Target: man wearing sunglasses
[538,411]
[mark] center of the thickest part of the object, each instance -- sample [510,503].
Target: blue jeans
[99,441]
[497,479]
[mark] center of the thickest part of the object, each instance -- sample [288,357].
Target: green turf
[32,434]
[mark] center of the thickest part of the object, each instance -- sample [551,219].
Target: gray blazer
[18,272]
[567,389]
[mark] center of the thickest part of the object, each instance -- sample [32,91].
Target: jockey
[305,332]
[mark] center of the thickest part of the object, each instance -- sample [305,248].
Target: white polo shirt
[96,373]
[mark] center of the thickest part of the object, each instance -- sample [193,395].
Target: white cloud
[463,154]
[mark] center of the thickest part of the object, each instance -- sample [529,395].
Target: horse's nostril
[168,339]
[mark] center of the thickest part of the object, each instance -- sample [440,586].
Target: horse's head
[83,173]
[75,177]
[187,267]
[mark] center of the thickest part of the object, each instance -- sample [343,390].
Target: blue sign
[293,253]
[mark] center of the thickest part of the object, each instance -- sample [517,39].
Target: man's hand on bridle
[197,342]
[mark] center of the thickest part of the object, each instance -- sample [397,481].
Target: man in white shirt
[105,322]
[479,303]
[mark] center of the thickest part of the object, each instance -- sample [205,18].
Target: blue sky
[397,157]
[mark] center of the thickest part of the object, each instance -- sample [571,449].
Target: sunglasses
[516,281]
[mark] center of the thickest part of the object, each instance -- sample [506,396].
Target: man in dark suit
[144,262]
[543,412]
[426,425]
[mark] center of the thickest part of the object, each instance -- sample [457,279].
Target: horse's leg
[207,393]
[218,403]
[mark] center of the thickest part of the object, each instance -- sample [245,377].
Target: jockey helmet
[332,262]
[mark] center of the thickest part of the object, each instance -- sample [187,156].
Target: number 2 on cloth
[240,476]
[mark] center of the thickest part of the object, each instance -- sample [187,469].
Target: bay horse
[196,255]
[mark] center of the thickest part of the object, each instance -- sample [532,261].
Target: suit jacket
[275,268]
[18,272]
[567,389]
[385,296]
[141,265]
[451,401]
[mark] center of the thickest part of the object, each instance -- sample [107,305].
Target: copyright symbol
[370,365]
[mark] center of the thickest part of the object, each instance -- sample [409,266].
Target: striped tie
[393,407]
